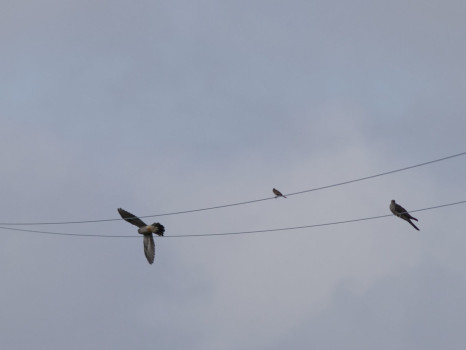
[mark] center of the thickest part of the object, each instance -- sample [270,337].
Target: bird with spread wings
[146,230]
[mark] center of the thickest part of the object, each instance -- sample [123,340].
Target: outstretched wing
[149,247]
[131,218]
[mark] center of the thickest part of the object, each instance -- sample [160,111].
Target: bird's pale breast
[146,229]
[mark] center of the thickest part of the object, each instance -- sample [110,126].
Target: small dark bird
[278,193]
[401,212]
[146,230]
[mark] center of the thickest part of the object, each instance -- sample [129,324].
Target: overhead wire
[65,233]
[380,174]
[235,233]
[237,203]
[311,226]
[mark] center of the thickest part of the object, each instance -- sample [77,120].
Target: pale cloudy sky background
[165,106]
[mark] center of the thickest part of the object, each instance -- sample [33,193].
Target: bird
[278,193]
[401,212]
[146,230]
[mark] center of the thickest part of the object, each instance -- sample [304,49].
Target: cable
[239,203]
[311,226]
[378,175]
[66,234]
[236,233]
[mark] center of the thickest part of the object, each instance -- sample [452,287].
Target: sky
[159,107]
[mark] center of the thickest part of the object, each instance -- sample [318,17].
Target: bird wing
[149,247]
[131,218]
[399,209]
[403,213]
[277,192]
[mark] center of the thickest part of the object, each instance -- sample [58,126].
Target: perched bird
[401,212]
[146,230]
[278,193]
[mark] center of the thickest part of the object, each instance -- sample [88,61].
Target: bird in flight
[146,230]
[277,193]
[401,212]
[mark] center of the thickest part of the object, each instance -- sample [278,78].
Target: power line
[235,233]
[66,234]
[238,203]
[311,226]
[381,174]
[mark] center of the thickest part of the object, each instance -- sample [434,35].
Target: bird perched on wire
[146,230]
[401,212]
[278,193]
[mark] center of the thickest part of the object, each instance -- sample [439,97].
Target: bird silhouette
[401,212]
[146,230]
[278,193]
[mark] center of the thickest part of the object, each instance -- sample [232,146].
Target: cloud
[422,307]
[167,107]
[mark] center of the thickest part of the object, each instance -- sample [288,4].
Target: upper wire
[238,203]
[239,232]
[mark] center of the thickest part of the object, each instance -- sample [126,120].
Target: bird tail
[413,225]
[160,228]
[283,196]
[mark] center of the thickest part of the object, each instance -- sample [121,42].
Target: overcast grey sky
[166,106]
